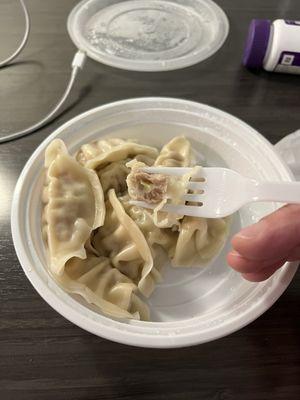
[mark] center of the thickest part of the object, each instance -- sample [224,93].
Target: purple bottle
[273,46]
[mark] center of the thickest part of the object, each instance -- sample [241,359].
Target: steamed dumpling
[199,240]
[155,236]
[99,283]
[176,153]
[73,206]
[98,154]
[122,241]
[113,176]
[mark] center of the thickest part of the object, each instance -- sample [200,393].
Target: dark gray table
[45,357]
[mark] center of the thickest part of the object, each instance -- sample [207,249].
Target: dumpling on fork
[151,188]
[155,188]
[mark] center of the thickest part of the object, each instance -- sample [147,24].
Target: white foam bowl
[191,306]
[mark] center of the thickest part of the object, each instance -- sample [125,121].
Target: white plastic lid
[152,35]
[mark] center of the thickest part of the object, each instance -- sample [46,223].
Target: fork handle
[286,192]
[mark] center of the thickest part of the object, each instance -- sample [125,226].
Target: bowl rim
[108,331]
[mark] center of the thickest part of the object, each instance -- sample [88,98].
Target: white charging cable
[77,64]
[24,40]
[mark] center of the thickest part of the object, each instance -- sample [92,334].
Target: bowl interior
[206,297]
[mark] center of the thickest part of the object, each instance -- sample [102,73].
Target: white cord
[24,40]
[77,64]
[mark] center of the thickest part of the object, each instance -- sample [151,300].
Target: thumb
[275,237]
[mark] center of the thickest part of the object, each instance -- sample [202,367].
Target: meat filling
[151,188]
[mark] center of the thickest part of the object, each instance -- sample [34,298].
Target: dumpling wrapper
[155,236]
[98,154]
[176,153]
[100,284]
[122,241]
[113,176]
[199,240]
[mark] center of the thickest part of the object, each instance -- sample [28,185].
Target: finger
[244,265]
[294,255]
[274,237]
[262,275]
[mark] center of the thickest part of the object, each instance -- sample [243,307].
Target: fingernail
[251,231]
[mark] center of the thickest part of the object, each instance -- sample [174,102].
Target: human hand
[260,249]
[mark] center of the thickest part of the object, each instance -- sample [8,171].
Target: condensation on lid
[154,35]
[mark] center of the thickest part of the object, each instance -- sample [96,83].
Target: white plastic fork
[223,191]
